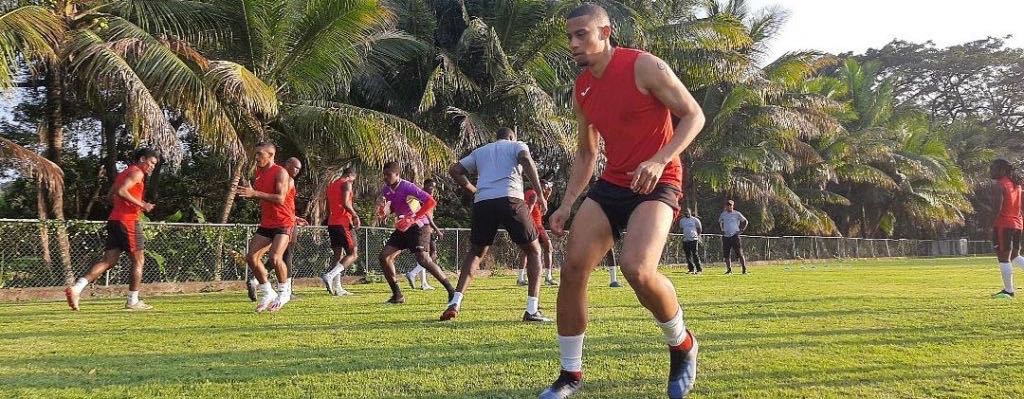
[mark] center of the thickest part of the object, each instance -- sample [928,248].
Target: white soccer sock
[613,271]
[522,274]
[1007,271]
[416,270]
[674,329]
[549,273]
[253,281]
[571,350]
[1019,261]
[456,300]
[336,280]
[338,270]
[532,304]
[285,286]
[133,297]
[80,284]
[267,288]
[423,278]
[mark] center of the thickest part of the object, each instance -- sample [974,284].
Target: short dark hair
[587,9]
[349,171]
[504,133]
[144,152]
[392,167]
[428,182]
[266,144]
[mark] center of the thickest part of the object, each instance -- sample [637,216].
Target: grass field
[855,329]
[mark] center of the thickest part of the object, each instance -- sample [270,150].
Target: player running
[1006,229]
[342,220]
[498,202]
[124,232]
[626,97]
[531,198]
[275,190]
[412,229]
[419,271]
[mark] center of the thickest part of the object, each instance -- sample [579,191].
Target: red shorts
[1005,238]
[542,235]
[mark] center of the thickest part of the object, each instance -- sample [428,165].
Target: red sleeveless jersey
[273,215]
[1010,212]
[633,125]
[124,210]
[337,215]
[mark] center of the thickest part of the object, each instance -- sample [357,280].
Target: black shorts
[416,239]
[508,212]
[731,244]
[618,203]
[124,235]
[341,237]
[1005,239]
[271,232]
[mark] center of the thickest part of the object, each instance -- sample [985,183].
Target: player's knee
[639,277]
[251,258]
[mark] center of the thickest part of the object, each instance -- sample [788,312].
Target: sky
[841,26]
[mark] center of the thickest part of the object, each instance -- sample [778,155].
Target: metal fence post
[768,248]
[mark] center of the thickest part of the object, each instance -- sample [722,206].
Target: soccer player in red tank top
[342,221]
[627,98]
[124,233]
[272,188]
[1006,228]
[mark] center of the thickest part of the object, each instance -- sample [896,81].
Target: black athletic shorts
[270,232]
[125,235]
[618,203]
[1004,239]
[733,244]
[341,237]
[416,239]
[508,212]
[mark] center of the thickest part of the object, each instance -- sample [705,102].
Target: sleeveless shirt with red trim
[273,215]
[337,215]
[123,210]
[1010,212]
[633,125]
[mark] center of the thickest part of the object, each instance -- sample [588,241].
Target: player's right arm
[346,201]
[459,171]
[133,178]
[281,183]
[581,171]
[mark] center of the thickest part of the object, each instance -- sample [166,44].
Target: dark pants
[692,256]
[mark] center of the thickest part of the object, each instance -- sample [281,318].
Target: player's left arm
[743,222]
[427,202]
[346,201]
[654,77]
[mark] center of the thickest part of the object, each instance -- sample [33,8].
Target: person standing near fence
[691,229]
[124,232]
[412,229]
[273,187]
[531,198]
[733,223]
[342,220]
[627,98]
[419,271]
[1006,229]
[498,202]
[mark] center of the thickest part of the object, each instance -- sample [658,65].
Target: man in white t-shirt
[733,223]
[691,228]
[498,202]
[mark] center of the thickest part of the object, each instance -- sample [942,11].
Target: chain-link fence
[52,253]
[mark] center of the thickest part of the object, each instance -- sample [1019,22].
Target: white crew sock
[613,271]
[338,270]
[522,274]
[674,329]
[1007,271]
[532,304]
[423,279]
[267,288]
[549,273]
[416,270]
[336,281]
[285,287]
[253,281]
[456,300]
[1019,261]
[571,350]
[133,297]
[80,285]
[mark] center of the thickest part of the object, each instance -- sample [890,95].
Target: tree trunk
[44,232]
[97,193]
[109,128]
[53,140]
[229,203]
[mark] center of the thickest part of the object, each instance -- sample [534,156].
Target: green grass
[855,329]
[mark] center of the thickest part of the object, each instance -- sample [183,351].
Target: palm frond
[30,164]
[32,32]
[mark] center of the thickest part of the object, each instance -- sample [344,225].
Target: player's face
[587,38]
[147,165]
[264,157]
[391,178]
[293,168]
[728,207]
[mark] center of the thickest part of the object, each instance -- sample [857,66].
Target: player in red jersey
[531,198]
[1006,229]
[275,190]
[342,220]
[627,98]
[124,232]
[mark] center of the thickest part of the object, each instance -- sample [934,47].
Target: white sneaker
[266,302]
[343,292]
[426,287]
[329,284]
[282,299]
[137,306]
